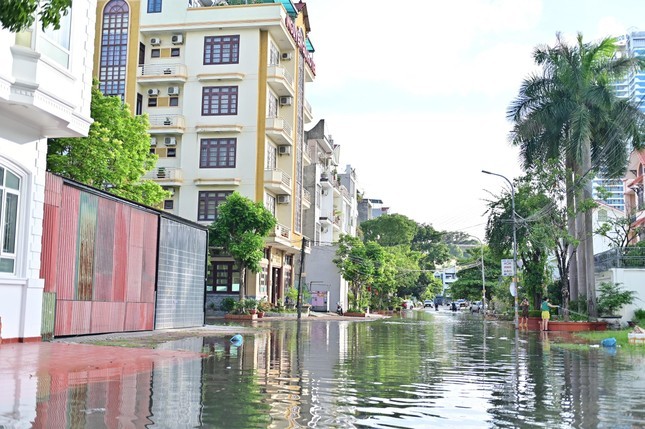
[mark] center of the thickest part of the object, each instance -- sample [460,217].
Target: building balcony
[306,198]
[307,155]
[280,80]
[166,176]
[280,237]
[308,113]
[167,124]
[277,181]
[280,131]
[168,73]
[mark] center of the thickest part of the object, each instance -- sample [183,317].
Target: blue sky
[415,92]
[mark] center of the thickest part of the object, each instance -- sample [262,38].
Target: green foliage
[361,264]
[389,230]
[240,229]
[431,244]
[18,15]
[639,316]
[228,304]
[612,298]
[469,280]
[113,157]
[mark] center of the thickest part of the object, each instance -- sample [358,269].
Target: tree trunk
[571,229]
[581,235]
[242,282]
[588,222]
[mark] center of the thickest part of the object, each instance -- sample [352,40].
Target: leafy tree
[405,263]
[570,112]
[389,230]
[113,157]
[361,264]
[17,15]
[621,231]
[431,244]
[240,229]
[469,279]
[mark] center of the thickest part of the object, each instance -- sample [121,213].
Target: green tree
[113,157]
[389,230]
[405,264]
[469,278]
[17,15]
[240,229]
[361,264]
[570,112]
[431,244]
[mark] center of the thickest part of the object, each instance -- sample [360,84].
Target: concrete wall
[629,279]
[324,275]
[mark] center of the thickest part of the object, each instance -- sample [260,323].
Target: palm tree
[570,112]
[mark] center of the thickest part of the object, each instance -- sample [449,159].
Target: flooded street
[424,369]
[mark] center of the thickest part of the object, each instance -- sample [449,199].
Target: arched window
[114,48]
[9,204]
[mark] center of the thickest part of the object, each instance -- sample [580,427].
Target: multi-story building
[45,91]
[223,84]
[371,208]
[333,212]
[613,192]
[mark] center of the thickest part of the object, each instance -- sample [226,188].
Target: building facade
[45,91]
[333,212]
[223,84]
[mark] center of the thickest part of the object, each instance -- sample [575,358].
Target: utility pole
[302,265]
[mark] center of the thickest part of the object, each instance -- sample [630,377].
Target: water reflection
[427,369]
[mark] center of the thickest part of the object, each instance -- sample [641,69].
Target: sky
[415,92]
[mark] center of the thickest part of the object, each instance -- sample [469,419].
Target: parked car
[461,303]
[476,307]
[427,303]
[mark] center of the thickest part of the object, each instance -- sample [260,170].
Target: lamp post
[517,320]
[481,244]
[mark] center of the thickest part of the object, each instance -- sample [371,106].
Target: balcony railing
[165,174]
[280,130]
[283,231]
[306,197]
[162,70]
[277,179]
[280,80]
[169,121]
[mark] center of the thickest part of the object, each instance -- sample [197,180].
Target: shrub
[612,298]
[639,316]
[228,304]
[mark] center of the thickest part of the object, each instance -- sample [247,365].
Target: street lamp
[483,276]
[517,320]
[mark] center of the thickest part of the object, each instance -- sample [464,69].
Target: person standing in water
[546,313]
[524,320]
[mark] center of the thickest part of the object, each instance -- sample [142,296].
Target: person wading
[546,313]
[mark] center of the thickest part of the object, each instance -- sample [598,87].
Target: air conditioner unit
[286,56]
[153,92]
[173,90]
[177,39]
[153,141]
[170,141]
[284,150]
[284,199]
[286,101]
[155,41]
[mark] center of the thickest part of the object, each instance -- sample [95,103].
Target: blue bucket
[608,342]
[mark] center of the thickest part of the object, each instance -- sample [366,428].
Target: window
[269,203]
[154,6]
[56,43]
[208,203]
[224,278]
[139,108]
[168,204]
[602,215]
[219,100]
[221,50]
[174,101]
[152,151]
[273,106]
[174,52]
[114,48]
[274,55]
[271,158]
[217,153]
[287,278]
[155,53]
[142,54]
[264,275]
[9,200]
[171,152]
[152,101]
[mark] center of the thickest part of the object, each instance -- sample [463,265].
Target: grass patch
[595,337]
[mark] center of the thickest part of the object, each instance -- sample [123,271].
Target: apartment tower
[223,83]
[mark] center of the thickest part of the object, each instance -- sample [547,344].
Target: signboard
[507,267]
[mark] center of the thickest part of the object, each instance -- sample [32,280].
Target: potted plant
[263,307]
[251,305]
[612,298]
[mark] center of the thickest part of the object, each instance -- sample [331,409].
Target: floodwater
[424,369]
